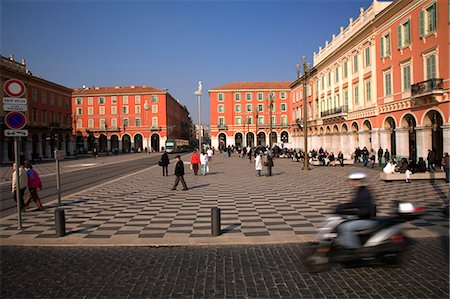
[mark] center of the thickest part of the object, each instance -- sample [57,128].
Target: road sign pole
[19,202]
[58,181]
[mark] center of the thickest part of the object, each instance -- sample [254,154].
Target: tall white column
[375,139]
[352,144]
[385,139]
[344,144]
[446,137]
[402,142]
[424,141]
[364,139]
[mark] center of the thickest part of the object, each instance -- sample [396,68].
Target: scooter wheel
[315,263]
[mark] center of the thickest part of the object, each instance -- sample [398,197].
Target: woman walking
[204,162]
[34,182]
[195,161]
[258,164]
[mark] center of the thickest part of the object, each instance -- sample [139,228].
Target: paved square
[140,209]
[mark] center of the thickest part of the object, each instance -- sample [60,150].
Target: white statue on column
[200,87]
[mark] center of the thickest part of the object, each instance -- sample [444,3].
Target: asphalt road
[267,271]
[75,181]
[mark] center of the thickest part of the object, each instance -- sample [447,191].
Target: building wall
[408,121]
[146,129]
[48,114]
[257,92]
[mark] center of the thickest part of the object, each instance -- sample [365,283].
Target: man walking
[179,173]
[380,156]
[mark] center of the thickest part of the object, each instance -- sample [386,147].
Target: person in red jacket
[34,182]
[195,161]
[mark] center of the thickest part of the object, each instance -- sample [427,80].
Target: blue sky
[169,44]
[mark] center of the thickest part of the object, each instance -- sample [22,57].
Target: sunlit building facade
[240,114]
[383,81]
[127,118]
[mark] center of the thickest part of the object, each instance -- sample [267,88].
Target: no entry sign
[15,120]
[14,88]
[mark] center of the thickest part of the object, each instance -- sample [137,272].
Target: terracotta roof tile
[115,90]
[253,86]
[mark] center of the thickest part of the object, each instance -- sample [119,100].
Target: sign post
[19,197]
[59,154]
[15,121]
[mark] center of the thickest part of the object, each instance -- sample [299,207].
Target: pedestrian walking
[341,158]
[179,173]
[387,156]
[380,156]
[365,154]
[250,154]
[446,166]
[164,163]
[372,158]
[210,154]
[204,162]
[23,184]
[195,161]
[34,182]
[258,164]
[431,159]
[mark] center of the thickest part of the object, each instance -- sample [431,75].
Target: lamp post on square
[306,70]
[147,108]
[199,94]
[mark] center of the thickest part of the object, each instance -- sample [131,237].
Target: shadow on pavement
[198,186]
[230,228]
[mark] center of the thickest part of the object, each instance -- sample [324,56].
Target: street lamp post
[270,99]
[305,121]
[199,93]
[147,108]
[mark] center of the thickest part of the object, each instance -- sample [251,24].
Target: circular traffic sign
[14,88]
[15,120]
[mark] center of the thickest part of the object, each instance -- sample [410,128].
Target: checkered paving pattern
[290,204]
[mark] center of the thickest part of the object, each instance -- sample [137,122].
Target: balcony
[155,128]
[426,92]
[335,114]
[222,127]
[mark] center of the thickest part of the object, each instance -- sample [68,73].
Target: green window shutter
[388,44]
[422,23]
[382,47]
[434,16]
[399,36]
[407,33]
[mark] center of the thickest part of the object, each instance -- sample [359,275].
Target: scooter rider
[361,206]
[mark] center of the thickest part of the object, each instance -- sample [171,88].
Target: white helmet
[357,175]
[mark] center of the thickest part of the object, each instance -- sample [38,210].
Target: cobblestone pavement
[140,209]
[267,271]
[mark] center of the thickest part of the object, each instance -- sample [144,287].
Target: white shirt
[203,159]
[210,152]
[389,168]
[258,163]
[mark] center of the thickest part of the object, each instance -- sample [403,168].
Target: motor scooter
[384,242]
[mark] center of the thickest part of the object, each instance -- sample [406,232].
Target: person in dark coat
[179,173]
[164,163]
[361,206]
[431,159]
[380,156]
[387,156]
[341,158]
[421,165]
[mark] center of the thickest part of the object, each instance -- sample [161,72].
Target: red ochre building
[382,81]
[240,114]
[127,118]
[48,113]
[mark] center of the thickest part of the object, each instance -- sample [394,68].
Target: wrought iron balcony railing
[222,127]
[338,111]
[427,87]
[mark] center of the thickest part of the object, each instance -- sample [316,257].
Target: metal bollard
[215,222]
[60,223]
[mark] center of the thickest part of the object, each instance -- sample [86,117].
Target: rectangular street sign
[16,133]
[59,154]
[15,107]
[17,101]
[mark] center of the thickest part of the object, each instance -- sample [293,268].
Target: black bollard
[60,223]
[215,222]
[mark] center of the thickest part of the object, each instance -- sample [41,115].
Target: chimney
[24,62]
[11,57]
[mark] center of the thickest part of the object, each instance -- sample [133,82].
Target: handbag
[160,163]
